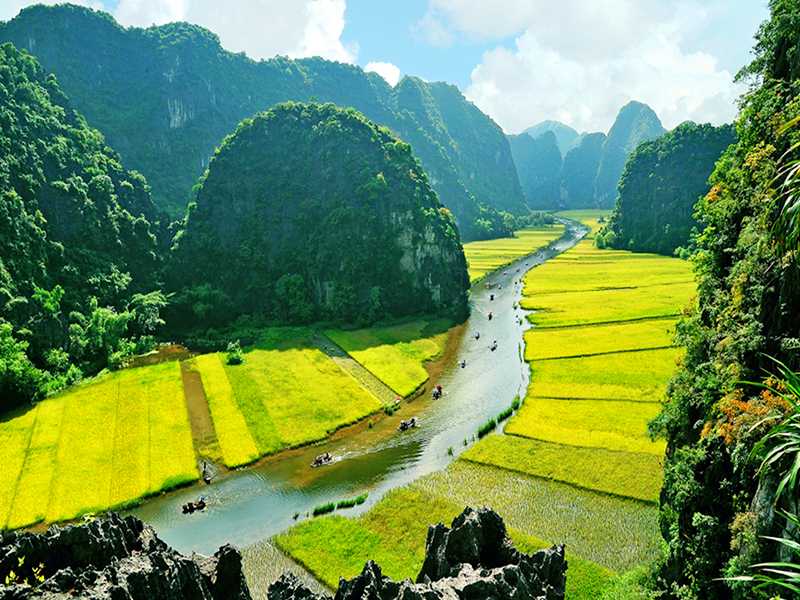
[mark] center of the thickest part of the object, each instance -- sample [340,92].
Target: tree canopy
[662,181]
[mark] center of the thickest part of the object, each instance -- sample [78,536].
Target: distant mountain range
[165,97]
[589,165]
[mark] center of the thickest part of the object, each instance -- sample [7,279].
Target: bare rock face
[114,559]
[473,559]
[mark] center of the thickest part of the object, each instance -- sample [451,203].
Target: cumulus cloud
[390,72]
[260,28]
[579,62]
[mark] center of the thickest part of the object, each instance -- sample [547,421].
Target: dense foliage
[310,211]
[566,136]
[714,510]
[662,181]
[166,96]
[538,163]
[77,247]
[635,123]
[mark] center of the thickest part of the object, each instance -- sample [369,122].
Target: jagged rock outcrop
[114,558]
[472,559]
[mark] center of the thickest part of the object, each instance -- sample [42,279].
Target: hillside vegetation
[662,181]
[167,95]
[311,212]
[78,247]
[714,507]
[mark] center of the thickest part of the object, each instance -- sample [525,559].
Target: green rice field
[396,354]
[102,444]
[393,534]
[488,255]
[616,533]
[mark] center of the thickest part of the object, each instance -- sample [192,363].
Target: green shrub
[487,428]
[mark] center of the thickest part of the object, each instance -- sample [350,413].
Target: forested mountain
[635,123]
[310,211]
[566,136]
[76,240]
[166,96]
[715,506]
[579,170]
[662,181]
[592,162]
[538,163]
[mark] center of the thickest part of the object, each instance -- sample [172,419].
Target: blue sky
[520,61]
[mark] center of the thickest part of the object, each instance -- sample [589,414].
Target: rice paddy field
[393,534]
[114,440]
[575,463]
[396,354]
[103,444]
[286,393]
[488,255]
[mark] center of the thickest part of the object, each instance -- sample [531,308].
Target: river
[255,503]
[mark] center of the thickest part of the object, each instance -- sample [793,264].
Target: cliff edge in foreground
[472,559]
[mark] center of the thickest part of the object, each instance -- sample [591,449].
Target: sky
[519,61]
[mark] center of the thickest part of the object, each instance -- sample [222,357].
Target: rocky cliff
[113,558]
[635,123]
[310,211]
[473,559]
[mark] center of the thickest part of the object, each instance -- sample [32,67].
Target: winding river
[255,503]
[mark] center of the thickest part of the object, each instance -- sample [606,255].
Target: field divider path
[607,352]
[357,371]
[204,433]
[664,317]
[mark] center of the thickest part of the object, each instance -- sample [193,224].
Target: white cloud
[579,61]
[431,29]
[260,28]
[390,72]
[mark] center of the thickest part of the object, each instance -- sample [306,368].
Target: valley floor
[121,437]
[575,463]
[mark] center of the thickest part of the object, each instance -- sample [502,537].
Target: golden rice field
[594,219]
[636,376]
[546,343]
[626,474]
[489,255]
[114,440]
[610,424]
[102,444]
[285,394]
[396,354]
[561,309]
